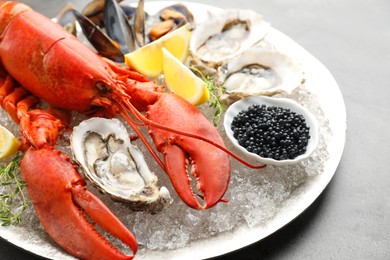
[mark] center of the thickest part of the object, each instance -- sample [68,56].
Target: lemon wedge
[148,59]
[8,143]
[182,81]
[178,42]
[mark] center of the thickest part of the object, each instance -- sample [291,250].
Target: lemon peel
[182,81]
[8,143]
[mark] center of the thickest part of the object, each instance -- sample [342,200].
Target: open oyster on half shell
[259,71]
[226,34]
[116,167]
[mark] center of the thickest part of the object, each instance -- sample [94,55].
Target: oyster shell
[227,34]
[259,71]
[103,149]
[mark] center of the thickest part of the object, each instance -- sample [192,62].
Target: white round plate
[321,83]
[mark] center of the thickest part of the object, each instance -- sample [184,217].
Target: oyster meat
[227,34]
[116,167]
[259,71]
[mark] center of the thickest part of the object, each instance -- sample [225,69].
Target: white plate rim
[310,191]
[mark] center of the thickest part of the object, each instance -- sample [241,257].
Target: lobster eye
[102,87]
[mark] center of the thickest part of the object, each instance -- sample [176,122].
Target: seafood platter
[108,149]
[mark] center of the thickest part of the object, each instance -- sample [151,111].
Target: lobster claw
[209,166]
[210,176]
[62,201]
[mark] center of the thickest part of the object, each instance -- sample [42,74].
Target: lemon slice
[148,59]
[182,81]
[8,143]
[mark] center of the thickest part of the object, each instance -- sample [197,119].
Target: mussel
[115,29]
[170,18]
[139,24]
[99,40]
[94,10]
[118,27]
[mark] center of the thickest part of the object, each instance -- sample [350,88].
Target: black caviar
[271,132]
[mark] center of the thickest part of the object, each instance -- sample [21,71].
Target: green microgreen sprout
[13,200]
[215,101]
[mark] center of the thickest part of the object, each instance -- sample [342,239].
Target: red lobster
[42,61]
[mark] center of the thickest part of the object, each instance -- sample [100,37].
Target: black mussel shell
[139,23]
[94,10]
[99,40]
[118,27]
[130,12]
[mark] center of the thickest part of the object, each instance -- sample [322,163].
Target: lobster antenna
[134,125]
[149,122]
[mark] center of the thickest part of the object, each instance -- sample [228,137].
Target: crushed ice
[255,196]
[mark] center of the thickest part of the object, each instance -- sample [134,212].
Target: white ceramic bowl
[243,104]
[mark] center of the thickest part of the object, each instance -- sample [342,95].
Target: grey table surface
[351,218]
